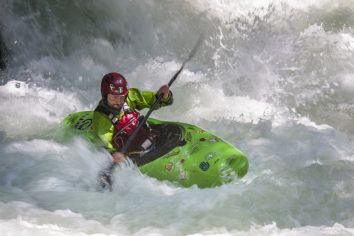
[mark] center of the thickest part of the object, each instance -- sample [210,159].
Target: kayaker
[117,114]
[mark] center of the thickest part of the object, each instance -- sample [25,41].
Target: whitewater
[274,78]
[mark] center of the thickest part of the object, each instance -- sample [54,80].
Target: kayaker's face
[115,101]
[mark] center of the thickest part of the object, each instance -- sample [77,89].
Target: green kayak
[184,154]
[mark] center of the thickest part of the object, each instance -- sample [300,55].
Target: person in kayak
[116,115]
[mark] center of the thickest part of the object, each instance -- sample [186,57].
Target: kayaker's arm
[104,130]
[145,99]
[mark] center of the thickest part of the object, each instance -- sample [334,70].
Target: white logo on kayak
[210,156]
[213,140]
[182,175]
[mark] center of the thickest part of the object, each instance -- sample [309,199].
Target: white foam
[228,10]
[33,221]
[212,104]
[30,220]
[347,82]
[272,229]
[35,146]
[27,110]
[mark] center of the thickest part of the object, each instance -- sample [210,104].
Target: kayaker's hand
[164,90]
[118,157]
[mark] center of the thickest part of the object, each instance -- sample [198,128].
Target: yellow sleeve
[104,129]
[145,99]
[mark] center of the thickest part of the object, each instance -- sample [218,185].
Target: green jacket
[137,100]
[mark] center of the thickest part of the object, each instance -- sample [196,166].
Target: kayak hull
[202,159]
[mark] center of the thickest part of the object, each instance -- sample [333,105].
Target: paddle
[105,175]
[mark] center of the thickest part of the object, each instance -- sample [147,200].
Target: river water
[274,78]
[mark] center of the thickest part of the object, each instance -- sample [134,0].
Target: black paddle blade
[105,180]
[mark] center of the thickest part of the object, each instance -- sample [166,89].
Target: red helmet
[114,83]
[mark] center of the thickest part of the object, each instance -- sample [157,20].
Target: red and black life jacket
[125,122]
